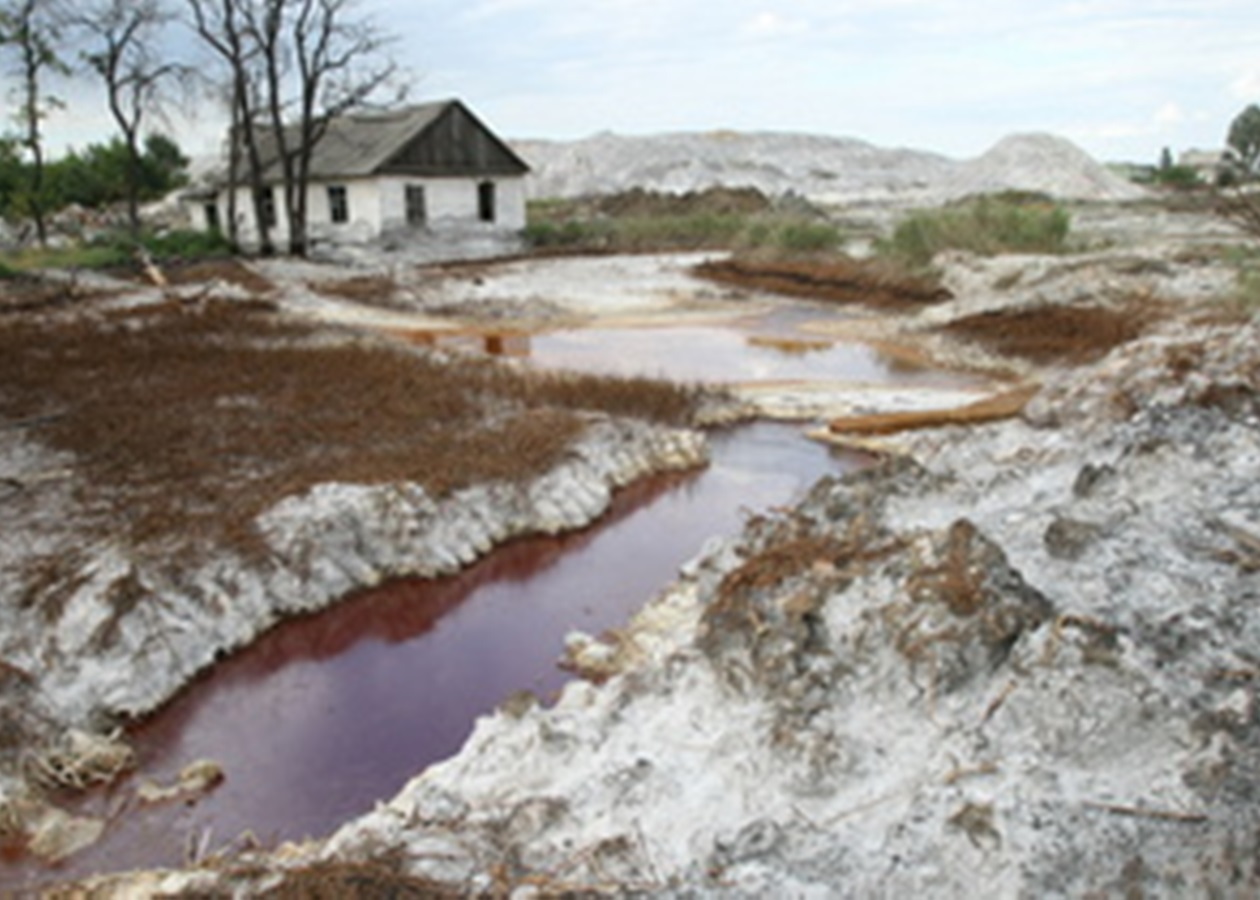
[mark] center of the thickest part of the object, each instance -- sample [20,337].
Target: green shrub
[570,234]
[91,255]
[1178,177]
[186,245]
[988,225]
[117,250]
[640,221]
[685,231]
[807,237]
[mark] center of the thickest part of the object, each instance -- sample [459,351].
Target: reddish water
[325,716]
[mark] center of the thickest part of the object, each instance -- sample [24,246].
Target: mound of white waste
[818,167]
[1040,162]
[823,169]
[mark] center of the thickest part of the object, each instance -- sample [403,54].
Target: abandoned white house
[433,169]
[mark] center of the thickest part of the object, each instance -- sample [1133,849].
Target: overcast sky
[1121,78]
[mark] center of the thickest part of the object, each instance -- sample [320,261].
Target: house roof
[442,138]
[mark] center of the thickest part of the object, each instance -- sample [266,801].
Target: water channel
[325,716]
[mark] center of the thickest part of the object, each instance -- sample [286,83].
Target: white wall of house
[377,207]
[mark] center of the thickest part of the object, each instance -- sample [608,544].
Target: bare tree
[319,62]
[293,66]
[124,52]
[29,29]
[222,25]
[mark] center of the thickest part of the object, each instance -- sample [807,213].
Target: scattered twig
[1136,812]
[996,703]
[869,805]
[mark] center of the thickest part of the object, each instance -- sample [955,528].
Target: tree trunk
[35,200]
[133,187]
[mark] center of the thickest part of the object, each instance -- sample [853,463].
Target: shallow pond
[770,346]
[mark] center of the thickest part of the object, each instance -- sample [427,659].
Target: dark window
[212,217]
[485,201]
[338,204]
[417,213]
[267,206]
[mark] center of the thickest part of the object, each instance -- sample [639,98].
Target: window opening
[338,204]
[485,201]
[417,213]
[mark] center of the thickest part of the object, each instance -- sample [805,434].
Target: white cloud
[771,25]
[1170,115]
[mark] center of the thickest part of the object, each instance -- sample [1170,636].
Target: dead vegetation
[231,271]
[185,423]
[356,881]
[833,279]
[23,293]
[1048,335]
[370,290]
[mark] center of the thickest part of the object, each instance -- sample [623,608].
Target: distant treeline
[95,177]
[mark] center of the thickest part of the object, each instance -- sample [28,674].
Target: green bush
[679,231]
[186,245]
[117,250]
[807,237]
[1180,178]
[694,231]
[570,234]
[988,225]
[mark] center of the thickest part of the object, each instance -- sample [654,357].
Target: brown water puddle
[327,715]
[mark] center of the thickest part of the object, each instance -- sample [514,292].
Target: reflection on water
[326,715]
[495,343]
[717,354]
[764,348]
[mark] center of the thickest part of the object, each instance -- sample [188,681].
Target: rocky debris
[55,835]
[577,287]
[822,169]
[1022,666]
[80,760]
[1018,314]
[195,779]
[1100,278]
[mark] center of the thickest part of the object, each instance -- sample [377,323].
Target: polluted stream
[326,715]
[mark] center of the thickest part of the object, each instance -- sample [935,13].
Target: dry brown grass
[357,881]
[23,294]
[835,279]
[1055,334]
[232,271]
[185,423]
[376,290]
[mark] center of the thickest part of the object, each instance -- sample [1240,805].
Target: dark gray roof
[359,145]
[404,141]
